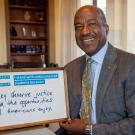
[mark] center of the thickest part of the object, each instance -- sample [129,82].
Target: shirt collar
[99,56]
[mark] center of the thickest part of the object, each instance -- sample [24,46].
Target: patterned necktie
[85,111]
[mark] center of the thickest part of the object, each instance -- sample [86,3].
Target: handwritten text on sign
[31,97]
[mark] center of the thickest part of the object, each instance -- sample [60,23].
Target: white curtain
[69,49]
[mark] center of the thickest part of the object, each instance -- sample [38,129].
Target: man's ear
[107,28]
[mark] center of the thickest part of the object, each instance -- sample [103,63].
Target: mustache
[88,36]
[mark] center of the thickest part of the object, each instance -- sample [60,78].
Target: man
[113,91]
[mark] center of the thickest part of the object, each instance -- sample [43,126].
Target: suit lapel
[75,83]
[105,77]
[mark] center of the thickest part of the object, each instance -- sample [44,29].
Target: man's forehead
[85,16]
[87,9]
[86,12]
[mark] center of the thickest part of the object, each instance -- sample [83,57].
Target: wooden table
[37,130]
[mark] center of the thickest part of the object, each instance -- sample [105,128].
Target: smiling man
[91,29]
[111,108]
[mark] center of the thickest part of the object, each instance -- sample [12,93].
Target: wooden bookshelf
[28,28]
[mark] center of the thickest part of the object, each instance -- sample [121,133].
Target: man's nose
[86,30]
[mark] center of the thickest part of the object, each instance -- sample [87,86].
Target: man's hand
[74,127]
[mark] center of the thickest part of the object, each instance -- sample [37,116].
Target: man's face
[90,30]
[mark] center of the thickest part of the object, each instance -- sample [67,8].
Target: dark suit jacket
[115,98]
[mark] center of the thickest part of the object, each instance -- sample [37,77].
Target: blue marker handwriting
[15,94]
[3,97]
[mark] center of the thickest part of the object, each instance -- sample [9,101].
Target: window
[86,2]
[102,4]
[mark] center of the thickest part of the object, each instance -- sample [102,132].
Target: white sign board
[31,97]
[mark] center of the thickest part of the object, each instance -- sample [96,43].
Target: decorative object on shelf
[13,32]
[39,16]
[18,49]
[33,33]
[28,49]
[43,61]
[22,49]
[13,49]
[24,31]
[43,49]
[27,16]
[12,64]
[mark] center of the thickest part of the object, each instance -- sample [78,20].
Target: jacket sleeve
[60,131]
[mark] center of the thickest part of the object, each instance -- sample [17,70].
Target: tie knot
[89,61]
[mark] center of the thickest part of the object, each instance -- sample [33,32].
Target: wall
[3,50]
